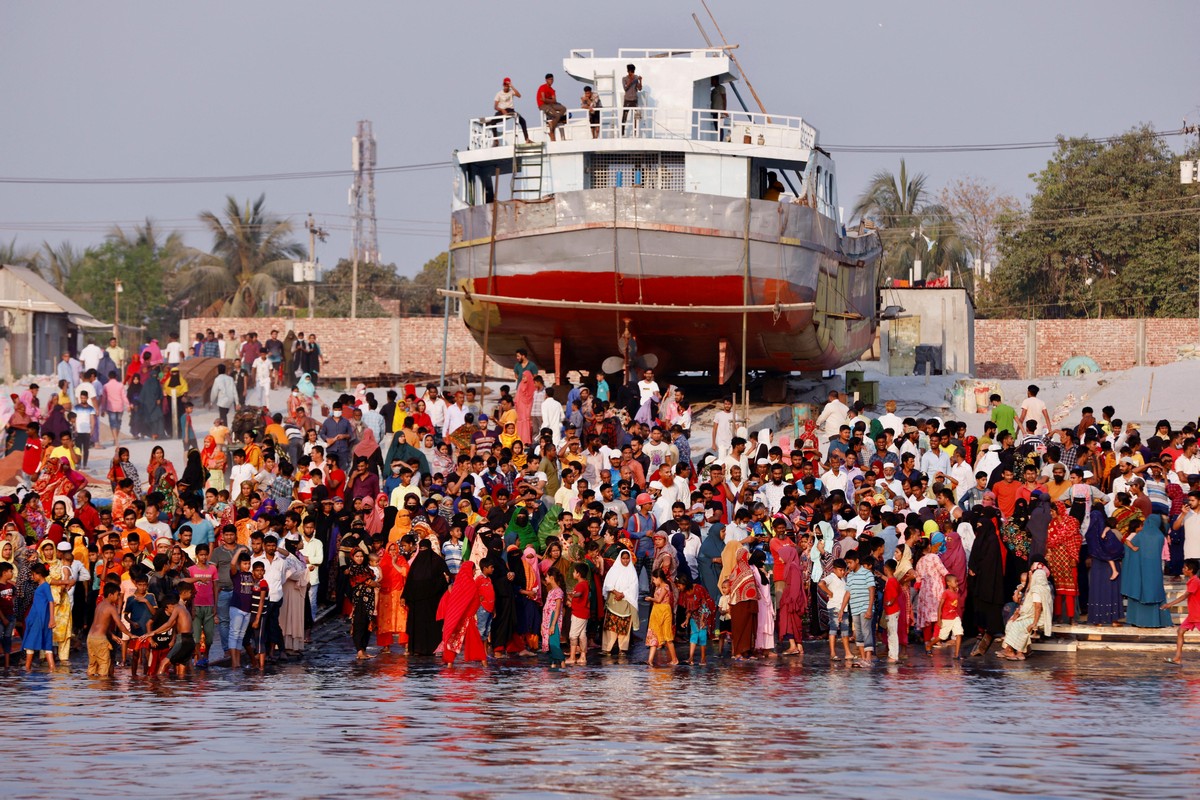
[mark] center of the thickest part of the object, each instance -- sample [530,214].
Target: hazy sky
[132,89]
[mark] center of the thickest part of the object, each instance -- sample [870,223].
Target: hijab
[954,557]
[306,385]
[367,445]
[729,558]
[623,578]
[533,572]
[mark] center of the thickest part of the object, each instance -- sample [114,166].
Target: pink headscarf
[955,558]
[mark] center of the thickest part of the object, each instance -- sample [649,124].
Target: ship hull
[644,247]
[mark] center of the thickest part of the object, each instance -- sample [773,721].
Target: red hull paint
[683,341]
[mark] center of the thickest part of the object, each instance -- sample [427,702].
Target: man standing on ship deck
[632,83]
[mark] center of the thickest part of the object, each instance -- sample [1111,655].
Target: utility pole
[314,233]
[365,240]
[1189,172]
[117,289]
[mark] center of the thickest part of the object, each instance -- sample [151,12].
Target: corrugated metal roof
[62,304]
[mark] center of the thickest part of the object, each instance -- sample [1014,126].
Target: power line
[260,178]
[401,168]
[982,148]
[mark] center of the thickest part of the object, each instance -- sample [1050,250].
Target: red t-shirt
[545,94]
[891,596]
[950,609]
[1193,603]
[1006,496]
[579,600]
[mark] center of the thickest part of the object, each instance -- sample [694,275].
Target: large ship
[676,232]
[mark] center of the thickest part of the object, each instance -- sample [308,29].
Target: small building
[38,323]
[936,326]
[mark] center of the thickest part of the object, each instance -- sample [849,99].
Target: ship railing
[743,127]
[611,123]
[655,52]
[648,122]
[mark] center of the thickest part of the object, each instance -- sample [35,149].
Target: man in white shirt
[435,407]
[935,461]
[456,414]
[832,417]
[890,421]
[261,369]
[836,476]
[656,449]
[277,569]
[722,433]
[1034,409]
[552,416]
[154,526]
[647,387]
[314,553]
[772,490]
[91,355]
[1188,462]
[961,474]
[173,352]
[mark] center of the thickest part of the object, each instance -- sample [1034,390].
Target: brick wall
[366,347]
[1002,346]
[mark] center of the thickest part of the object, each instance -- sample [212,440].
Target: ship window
[643,170]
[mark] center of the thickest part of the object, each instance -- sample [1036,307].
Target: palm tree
[912,227]
[57,263]
[252,255]
[17,256]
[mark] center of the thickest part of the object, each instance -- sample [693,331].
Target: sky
[125,89]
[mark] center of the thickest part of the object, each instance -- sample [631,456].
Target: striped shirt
[859,584]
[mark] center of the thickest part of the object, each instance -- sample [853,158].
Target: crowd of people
[581,522]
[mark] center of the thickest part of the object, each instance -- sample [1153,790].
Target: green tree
[249,267]
[141,272]
[56,264]
[911,226]
[1109,231]
[381,292]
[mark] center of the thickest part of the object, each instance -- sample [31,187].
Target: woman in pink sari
[793,603]
[524,406]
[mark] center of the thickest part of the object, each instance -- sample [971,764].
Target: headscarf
[729,558]
[1101,546]
[56,423]
[526,534]
[1039,584]
[954,558]
[623,578]
[367,446]
[744,579]
[375,512]
[193,472]
[305,385]
[533,573]
[793,596]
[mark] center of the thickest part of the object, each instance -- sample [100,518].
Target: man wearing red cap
[504,106]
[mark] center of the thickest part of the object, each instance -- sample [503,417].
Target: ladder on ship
[529,161]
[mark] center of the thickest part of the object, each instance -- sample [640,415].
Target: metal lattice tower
[365,244]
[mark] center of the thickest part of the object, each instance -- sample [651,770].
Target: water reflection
[394,726]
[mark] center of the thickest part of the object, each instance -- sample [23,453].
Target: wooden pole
[745,288]
[733,58]
[487,315]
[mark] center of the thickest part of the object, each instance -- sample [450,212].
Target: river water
[1086,725]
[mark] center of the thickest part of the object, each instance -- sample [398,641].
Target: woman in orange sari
[213,459]
[456,610]
[392,614]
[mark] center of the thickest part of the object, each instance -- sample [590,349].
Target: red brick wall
[1000,344]
[364,347]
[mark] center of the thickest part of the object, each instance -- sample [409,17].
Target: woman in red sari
[793,603]
[456,610]
[57,478]
[1063,541]
[392,620]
